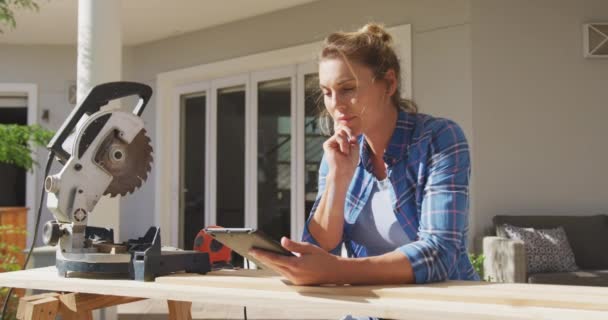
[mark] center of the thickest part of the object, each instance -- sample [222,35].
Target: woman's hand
[311,265]
[342,153]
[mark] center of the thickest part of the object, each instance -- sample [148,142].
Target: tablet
[241,240]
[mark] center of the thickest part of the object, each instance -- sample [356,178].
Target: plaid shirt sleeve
[306,235]
[444,208]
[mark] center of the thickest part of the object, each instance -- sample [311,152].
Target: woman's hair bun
[378,31]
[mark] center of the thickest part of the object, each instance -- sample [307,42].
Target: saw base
[144,261]
[93,270]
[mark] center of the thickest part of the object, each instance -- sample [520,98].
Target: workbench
[77,297]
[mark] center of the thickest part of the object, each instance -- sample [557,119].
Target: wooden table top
[451,299]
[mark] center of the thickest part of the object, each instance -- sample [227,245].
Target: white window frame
[170,86]
[30,90]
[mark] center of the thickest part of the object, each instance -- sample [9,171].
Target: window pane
[313,140]
[231,157]
[274,157]
[192,200]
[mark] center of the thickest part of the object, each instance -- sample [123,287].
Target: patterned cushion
[547,250]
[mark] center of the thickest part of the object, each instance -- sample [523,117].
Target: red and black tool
[220,256]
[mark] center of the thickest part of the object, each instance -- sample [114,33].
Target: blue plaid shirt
[428,165]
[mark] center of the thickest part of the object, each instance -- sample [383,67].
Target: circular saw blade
[128,163]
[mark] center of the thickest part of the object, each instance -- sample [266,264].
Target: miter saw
[105,152]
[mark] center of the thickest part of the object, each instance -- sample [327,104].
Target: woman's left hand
[311,265]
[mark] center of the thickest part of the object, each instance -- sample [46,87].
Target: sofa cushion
[587,235]
[547,250]
[596,278]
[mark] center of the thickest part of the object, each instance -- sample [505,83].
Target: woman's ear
[391,82]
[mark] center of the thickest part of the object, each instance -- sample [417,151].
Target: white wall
[440,36]
[50,67]
[298,25]
[442,85]
[539,109]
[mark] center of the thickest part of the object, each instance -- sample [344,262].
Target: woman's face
[352,96]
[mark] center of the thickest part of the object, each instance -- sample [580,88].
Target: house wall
[50,67]
[513,68]
[440,37]
[540,109]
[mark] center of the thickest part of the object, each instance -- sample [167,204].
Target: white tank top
[376,227]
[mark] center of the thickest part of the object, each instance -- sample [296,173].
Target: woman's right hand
[342,153]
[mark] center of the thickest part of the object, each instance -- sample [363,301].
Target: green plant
[14,143]
[7,7]
[9,262]
[9,252]
[477,262]
[11,311]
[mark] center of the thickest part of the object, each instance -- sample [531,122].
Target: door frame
[30,90]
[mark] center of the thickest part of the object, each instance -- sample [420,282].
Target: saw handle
[98,97]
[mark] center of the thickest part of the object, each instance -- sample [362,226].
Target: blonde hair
[372,47]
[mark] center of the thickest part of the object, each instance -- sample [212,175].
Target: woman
[393,183]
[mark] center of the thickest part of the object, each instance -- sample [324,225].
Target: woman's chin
[354,126]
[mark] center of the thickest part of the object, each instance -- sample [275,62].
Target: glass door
[309,146]
[193,118]
[313,140]
[250,153]
[274,157]
[230,157]
[227,155]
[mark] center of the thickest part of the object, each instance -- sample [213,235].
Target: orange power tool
[220,256]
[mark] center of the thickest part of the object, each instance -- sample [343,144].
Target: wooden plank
[77,302]
[179,310]
[41,309]
[455,291]
[23,302]
[452,299]
[74,305]
[80,306]
[158,309]
[82,315]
